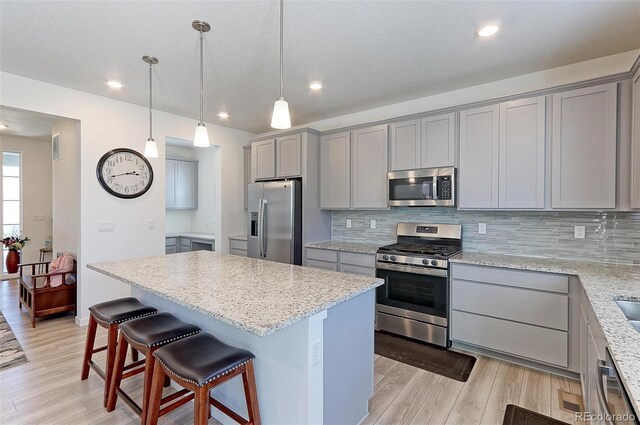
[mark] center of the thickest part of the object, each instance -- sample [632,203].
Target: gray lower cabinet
[171,245]
[517,313]
[181,184]
[346,262]
[583,148]
[238,247]
[174,244]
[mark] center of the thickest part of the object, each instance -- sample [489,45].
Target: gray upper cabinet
[479,146]
[425,143]
[289,156]
[635,147]
[335,171]
[263,159]
[405,145]
[247,173]
[369,164]
[438,147]
[583,148]
[181,184]
[522,153]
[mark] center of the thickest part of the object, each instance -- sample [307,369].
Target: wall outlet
[348,224]
[151,224]
[106,226]
[373,224]
[482,228]
[316,352]
[579,232]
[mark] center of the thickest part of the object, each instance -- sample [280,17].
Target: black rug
[438,360]
[515,415]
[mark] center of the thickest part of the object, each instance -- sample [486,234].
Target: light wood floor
[47,389]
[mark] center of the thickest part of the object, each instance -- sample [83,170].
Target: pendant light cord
[150,102]
[281,50]
[201,77]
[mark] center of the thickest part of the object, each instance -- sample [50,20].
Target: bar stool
[200,363]
[109,315]
[146,335]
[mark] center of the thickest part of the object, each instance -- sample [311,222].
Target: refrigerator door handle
[263,250]
[260,227]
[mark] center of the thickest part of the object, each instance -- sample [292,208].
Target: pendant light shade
[150,147]
[201,138]
[280,118]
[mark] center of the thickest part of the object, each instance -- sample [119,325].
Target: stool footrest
[97,350]
[130,402]
[133,364]
[133,373]
[96,369]
[224,409]
[173,406]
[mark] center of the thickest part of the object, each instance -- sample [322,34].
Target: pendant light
[150,148]
[201,138]
[280,118]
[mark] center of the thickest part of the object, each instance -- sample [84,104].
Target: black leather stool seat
[159,329]
[201,358]
[120,310]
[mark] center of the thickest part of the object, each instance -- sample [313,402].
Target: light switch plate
[348,224]
[579,232]
[373,224]
[151,224]
[106,226]
[482,228]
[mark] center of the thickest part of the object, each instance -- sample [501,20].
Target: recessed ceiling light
[223,115]
[3,126]
[488,30]
[316,85]
[115,84]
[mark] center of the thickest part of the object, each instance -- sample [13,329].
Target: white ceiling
[26,124]
[367,53]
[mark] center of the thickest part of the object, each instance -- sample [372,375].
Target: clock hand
[134,173]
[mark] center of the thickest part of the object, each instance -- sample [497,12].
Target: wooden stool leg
[111,354]
[202,408]
[121,356]
[134,355]
[155,395]
[251,394]
[88,347]
[149,366]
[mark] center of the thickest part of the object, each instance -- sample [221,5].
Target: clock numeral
[112,163]
[107,170]
[127,157]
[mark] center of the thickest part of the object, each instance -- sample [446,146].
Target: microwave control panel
[444,187]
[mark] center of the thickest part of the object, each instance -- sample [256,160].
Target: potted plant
[14,244]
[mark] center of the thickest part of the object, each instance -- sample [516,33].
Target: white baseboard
[82,322]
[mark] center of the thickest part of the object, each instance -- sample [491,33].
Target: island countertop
[258,296]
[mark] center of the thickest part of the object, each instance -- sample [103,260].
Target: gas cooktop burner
[422,249]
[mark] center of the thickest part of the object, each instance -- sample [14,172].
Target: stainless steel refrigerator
[275,221]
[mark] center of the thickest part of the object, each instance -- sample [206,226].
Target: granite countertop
[239,237]
[194,235]
[602,283]
[255,295]
[363,248]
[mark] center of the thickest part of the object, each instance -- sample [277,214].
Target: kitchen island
[310,330]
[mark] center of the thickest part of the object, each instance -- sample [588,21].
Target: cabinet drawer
[365,271]
[526,341]
[364,260]
[236,244]
[172,249]
[322,255]
[520,305]
[322,265]
[170,241]
[518,278]
[240,252]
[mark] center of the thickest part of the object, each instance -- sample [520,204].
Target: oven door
[416,296]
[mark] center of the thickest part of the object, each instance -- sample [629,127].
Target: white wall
[66,190]
[107,124]
[36,191]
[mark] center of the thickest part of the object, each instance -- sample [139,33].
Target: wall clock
[124,173]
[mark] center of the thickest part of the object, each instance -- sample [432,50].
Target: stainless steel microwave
[426,187]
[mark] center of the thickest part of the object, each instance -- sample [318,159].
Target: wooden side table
[43,254]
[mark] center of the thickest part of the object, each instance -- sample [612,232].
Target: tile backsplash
[610,236]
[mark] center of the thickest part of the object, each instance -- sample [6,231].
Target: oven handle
[410,269]
[604,371]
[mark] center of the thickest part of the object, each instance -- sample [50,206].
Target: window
[11,198]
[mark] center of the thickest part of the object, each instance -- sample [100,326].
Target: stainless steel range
[414,300]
